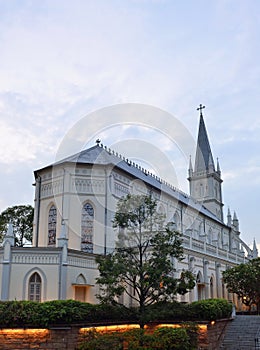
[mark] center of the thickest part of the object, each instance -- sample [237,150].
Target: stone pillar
[8,242]
[206,278]
[218,280]
[63,243]
[192,296]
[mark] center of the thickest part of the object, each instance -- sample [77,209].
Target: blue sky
[63,60]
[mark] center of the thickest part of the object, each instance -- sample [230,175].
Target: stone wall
[68,338]
[211,336]
[49,339]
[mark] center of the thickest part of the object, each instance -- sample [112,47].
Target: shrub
[210,309]
[46,314]
[167,311]
[19,313]
[101,341]
[137,339]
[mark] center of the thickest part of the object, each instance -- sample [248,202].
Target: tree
[244,280]
[21,217]
[141,265]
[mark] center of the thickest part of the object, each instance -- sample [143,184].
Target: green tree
[244,280]
[21,217]
[141,266]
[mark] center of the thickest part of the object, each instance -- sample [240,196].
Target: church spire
[204,159]
[205,180]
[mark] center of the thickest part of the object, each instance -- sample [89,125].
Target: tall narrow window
[211,288]
[52,221]
[87,222]
[35,287]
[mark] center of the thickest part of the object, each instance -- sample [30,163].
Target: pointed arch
[81,288]
[81,279]
[87,227]
[177,221]
[52,224]
[188,226]
[161,209]
[34,285]
[200,286]
[210,236]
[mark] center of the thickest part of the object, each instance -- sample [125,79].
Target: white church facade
[75,201]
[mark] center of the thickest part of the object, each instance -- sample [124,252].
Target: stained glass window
[35,287]
[87,222]
[52,221]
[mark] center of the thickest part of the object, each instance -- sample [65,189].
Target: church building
[75,202]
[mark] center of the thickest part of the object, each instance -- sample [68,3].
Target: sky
[132,73]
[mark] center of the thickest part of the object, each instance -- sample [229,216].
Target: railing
[213,250]
[257,339]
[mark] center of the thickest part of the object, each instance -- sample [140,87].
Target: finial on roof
[98,141]
[218,166]
[190,170]
[235,221]
[200,108]
[255,250]
[9,236]
[229,219]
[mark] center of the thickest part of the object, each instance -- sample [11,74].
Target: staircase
[241,334]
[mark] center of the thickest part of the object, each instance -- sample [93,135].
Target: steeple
[204,159]
[205,180]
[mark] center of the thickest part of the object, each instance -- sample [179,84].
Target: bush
[56,312]
[167,311]
[102,341]
[19,313]
[210,309]
[162,338]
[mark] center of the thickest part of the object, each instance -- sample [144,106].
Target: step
[240,334]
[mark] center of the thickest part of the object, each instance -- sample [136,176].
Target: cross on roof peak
[200,108]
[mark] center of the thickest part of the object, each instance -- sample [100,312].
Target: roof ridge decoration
[145,171]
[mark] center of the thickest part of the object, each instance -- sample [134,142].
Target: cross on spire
[200,108]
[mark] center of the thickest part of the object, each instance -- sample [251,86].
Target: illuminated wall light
[24,331]
[126,327]
[114,328]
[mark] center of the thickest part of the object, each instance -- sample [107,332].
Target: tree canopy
[244,280]
[21,217]
[142,264]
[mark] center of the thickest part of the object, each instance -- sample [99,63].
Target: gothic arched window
[35,284]
[87,227]
[52,221]
[211,286]
[209,238]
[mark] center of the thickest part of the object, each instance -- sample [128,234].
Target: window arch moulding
[26,282]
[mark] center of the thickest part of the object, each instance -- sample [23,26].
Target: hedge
[56,312]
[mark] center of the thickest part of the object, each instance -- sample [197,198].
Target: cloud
[62,61]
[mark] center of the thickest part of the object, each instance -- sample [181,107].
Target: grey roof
[104,156]
[204,159]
